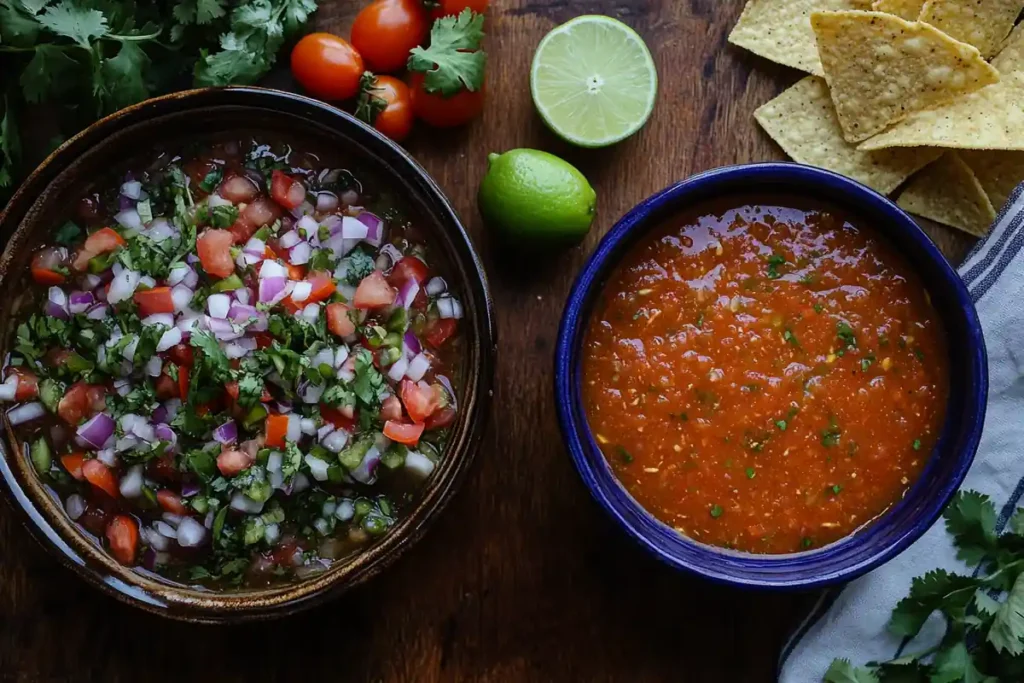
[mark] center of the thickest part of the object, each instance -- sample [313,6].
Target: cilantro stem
[11,48]
[133,39]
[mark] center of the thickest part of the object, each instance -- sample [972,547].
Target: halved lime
[593,81]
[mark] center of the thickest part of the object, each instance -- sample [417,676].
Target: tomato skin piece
[386,30]
[408,268]
[81,400]
[287,191]
[448,8]
[374,292]
[100,476]
[445,112]
[407,434]
[338,321]
[338,418]
[73,462]
[232,461]
[45,263]
[165,387]
[156,300]
[419,398]
[214,247]
[238,189]
[171,502]
[441,419]
[28,384]
[123,536]
[260,212]
[181,354]
[327,66]
[439,331]
[46,277]
[391,409]
[102,241]
[277,429]
[397,117]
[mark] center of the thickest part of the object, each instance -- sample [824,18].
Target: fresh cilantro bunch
[93,57]
[984,612]
[454,60]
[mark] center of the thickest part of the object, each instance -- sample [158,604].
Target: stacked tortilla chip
[901,90]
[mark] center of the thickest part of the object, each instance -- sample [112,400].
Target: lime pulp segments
[594,81]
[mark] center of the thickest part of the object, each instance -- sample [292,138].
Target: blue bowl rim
[591,464]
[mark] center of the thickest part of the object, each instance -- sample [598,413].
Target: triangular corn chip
[981,23]
[803,121]
[905,9]
[881,68]
[948,192]
[998,172]
[1011,56]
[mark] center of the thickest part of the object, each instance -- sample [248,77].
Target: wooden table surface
[523,578]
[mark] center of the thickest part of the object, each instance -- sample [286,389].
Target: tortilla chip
[998,172]
[981,23]
[904,9]
[992,118]
[1011,56]
[948,192]
[803,121]
[882,69]
[780,30]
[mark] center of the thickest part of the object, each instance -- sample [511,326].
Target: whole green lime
[532,197]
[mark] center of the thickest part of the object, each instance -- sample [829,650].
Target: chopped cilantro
[806,542]
[845,334]
[716,511]
[830,437]
[68,235]
[781,425]
[774,262]
[360,264]
[453,62]
[751,473]
[624,455]
[836,489]
[818,308]
[212,179]
[867,362]
[788,335]
[917,444]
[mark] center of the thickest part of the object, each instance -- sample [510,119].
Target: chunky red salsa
[232,363]
[765,378]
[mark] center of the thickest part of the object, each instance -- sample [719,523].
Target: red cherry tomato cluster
[383,35]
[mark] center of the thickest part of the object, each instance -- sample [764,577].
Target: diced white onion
[321,525]
[123,286]
[335,441]
[272,534]
[172,519]
[317,467]
[397,370]
[300,483]
[418,367]
[311,313]
[300,254]
[436,286]
[215,200]
[345,510]
[275,462]
[290,238]
[270,268]
[181,296]
[168,339]
[74,506]
[8,390]
[307,225]
[177,275]
[165,319]
[218,305]
[340,356]
[129,218]
[418,464]
[154,366]
[131,189]
[190,533]
[244,503]
[302,291]
[128,353]
[165,529]
[294,432]
[308,426]
[131,482]
[147,282]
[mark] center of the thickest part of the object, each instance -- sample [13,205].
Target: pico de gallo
[234,366]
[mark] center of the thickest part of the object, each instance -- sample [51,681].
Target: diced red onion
[326,201]
[353,228]
[177,275]
[411,343]
[131,483]
[190,533]
[244,503]
[123,387]
[289,239]
[282,406]
[365,472]
[436,286]
[335,441]
[324,430]
[223,330]
[446,383]
[240,347]
[91,281]
[26,413]
[154,366]
[96,430]
[272,269]
[107,456]
[407,293]
[340,356]
[311,313]
[57,303]
[190,488]
[97,312]
[333,225]
[242,295]
[308,426]
[389,256]
[131,189]
[310,393]
[300,254]
[302,209]
[79,302]
[294,432]
[172,519]
[272,289]
[218,305]
[418,464]
[255,246]
[163,432]
[349,197]
[226,433]
[165,319]
[168,339]
[418,367]
[123,286]
[9,389]
[129,219]
[125,443]
[74,506]
[144,430]
[160,230]
[155,540]
[166,530]
[397,370]
[338,245]
[375,233]
[181,296]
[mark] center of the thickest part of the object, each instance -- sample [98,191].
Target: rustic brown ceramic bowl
[40,206]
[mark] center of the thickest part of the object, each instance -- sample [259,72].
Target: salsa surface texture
[765,378]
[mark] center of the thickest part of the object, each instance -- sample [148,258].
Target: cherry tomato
[447,8]
[171,502]
[386,104]
[238,189]
[102,241]
[445,112]
[327,66]
[181,354]
[385,31]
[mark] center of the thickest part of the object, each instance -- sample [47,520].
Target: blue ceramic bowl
[906,521]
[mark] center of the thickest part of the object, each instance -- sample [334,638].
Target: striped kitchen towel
[850,621]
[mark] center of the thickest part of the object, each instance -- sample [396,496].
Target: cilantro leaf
[1007,632]
[954,663]
[842,671]
[360,264]
[971,521]
[938,590]
[77,23]
[121,80]
[68,235]
[250,389]
[296,13]
[453,62]
[199,11]
[368,382]
[1016,522]
[46,75]
[17,28]
[10,145]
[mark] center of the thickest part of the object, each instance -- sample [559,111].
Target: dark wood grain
[523,578]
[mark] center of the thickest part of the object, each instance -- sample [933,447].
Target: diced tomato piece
[47,277]
[163,468]
[238,189]
[181,354]
[420,399]
[46,265]
[102,241]
[28,384]
[260,212]
[72,462]
[287,191]
[100,476]
[214,247]
[408,434]
[284,554]
[182,382]
[171,502]
[374,292]
[231,461]
[341,419]
[241,231]
[391,409]
[338,320]
[263,339]
[408,268]
[277,429]
[269,253]
[123,537]
[156,300]
[439,331]
[295,272]
[81,401]
[322,286]
[440,419]
[166,387]
[232,390]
